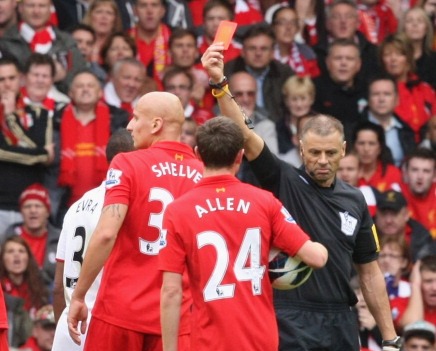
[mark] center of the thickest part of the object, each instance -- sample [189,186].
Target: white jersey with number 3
[78,227]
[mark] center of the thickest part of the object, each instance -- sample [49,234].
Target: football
[286,272]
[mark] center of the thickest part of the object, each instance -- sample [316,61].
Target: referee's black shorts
[317,328]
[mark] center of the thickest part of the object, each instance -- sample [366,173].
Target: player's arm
[213,64]
[373,288]
[313,254]
[58,291]
[171,300]
[99,249]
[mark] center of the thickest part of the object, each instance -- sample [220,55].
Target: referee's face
[321,156]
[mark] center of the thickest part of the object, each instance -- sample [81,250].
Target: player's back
[79,224]
[227,229]
[147,181]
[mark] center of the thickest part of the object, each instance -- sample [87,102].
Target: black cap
[391,200]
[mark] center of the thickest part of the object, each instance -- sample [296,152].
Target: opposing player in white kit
[79,224]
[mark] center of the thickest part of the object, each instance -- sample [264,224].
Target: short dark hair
[175,71]
[218,141]
[10,60]
[120,141]
[341,43]
[428,263]
[37,59]
[211,4]
[82,26]
[181,33]
[420,152]
[257,30]
[380,77]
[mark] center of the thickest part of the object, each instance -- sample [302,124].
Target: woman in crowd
[376,168]
[20,275]
[104,17]
[416,99]
[417,27]
[118,46]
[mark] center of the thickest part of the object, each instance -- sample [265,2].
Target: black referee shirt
[337,217]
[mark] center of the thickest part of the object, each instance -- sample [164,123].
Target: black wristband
[395,342]
[219,85]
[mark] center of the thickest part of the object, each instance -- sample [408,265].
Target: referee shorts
[317,330]
[109,337]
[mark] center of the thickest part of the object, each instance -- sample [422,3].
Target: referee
[317,316]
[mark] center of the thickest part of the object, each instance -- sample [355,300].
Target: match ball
[286,272]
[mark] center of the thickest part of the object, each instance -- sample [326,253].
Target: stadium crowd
[71,73]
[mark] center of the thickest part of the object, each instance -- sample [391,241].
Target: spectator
[429,7]
[26,144]
[214,12]
[8,15]
[43,331]
[298,97]
[422,302]
[348,171]
[382,99]
[375,160]
[84,36]
[37,230]
[416,101]
[430,141]
[419,335]
[392,220]
[419,188]
[184,54]
[125,85]
[245,90]
[189,129]
[417,27]
[342,23]
[39,89]
[20,275]
[180,82]
[152,37]
[395,263]
[104,17]
[117,46]
[33,35]
[85,126]
[377,20]
[70,13]
[311,15]
[300,57]
[340,92]
[257,58]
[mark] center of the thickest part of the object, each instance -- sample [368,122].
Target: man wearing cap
[36,229]
[392,219]
[43,331]
[419,336]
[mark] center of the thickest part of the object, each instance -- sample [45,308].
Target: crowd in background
[71,73]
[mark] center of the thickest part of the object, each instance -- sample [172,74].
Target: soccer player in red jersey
[129,234]
[222,231]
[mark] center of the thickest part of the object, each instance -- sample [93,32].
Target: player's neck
[208,172]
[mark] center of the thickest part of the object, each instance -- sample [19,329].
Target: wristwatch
[393,344]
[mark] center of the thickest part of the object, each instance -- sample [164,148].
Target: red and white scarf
[40,41]
[48,103]
[294,60]
[370,23]
[69,140]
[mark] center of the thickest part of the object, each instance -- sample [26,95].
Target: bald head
[244,88]
[157,116]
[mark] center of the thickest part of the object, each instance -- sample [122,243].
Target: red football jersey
[147,181]
[390,180]
[223,230]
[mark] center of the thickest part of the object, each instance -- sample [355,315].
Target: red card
[225,32]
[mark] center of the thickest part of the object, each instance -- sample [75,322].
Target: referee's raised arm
[213,64]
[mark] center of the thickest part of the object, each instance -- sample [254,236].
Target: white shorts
[62,339]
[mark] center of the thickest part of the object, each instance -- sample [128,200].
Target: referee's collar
[310,180]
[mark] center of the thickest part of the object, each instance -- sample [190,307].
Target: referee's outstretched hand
[78,313]
[213,62]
